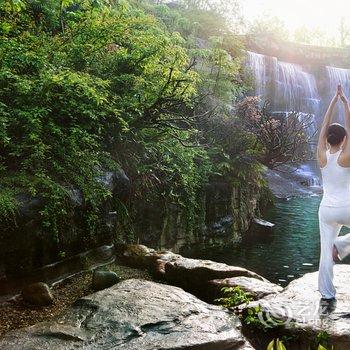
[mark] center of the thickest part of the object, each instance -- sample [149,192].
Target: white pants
[331,220]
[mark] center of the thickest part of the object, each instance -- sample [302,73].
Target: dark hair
[335,134]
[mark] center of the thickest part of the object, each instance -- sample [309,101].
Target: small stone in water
[290,276]
[308,264]
[286,266]
[282,280]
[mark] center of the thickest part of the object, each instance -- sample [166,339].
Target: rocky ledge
[196,276]
[132,315]
[305,316]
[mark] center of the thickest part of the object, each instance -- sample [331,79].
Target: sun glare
[312,14]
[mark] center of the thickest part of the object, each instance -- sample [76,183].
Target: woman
[333,155]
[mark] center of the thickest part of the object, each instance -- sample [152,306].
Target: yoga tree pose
[333,155]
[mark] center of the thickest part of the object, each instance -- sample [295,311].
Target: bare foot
[335,254]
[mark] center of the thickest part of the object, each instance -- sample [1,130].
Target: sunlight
[300,13]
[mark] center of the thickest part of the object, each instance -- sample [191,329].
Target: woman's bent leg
[328,232]
[342,243]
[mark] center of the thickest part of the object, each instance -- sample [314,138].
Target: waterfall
[257,65]
[296,90]
[338,76]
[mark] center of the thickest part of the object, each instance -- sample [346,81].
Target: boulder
[261,226]
[305,315]
[139,255]
[257,289]
[37,294]
[159,266]
[104,279]
[133,315]
[193,274]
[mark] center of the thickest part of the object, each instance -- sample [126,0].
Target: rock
[304,315]
[133,315]
[261,226]
[194,274]
[37,294]
[159,266]
[139,255]
[288,183]
[117,182]
[103,279]
[258,289]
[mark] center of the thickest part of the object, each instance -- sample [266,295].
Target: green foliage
[255,317]
[323,341]
[8,204]
[234,296]
[276,344]
[90,85]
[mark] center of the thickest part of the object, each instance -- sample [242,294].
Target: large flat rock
[255,287]
[187,272]
[192,275]
[134,315]
[303,313]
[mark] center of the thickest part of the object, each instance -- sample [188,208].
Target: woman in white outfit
[333,155]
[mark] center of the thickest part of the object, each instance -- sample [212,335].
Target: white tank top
[336,182]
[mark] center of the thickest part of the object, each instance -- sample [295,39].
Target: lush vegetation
[93,85]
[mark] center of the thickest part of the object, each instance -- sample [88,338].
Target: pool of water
[290,251]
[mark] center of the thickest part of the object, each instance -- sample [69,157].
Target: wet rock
[37,294]
[194,274]
[104,279]
[257,289]
[304,315]
[261,226]
[288,183]
[133,315]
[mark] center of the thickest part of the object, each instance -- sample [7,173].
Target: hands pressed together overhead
[340,94]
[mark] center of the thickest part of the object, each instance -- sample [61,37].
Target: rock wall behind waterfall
[306,88]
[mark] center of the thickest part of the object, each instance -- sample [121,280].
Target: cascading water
[287,86]
[257,65]
[338,76]
[296,90]
[289,89]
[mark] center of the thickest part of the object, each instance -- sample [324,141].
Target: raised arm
[322,140]
[346,149]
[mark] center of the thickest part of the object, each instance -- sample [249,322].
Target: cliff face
[223,210]
[298,53]
[26,246]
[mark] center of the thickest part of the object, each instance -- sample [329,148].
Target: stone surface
[104,279]
[261,226]
[159,266]
[134,315]
[258,289]
[60,270]
[139,255]
[288,183]
[268,44]
[304,315]
[194,274]
[37,294]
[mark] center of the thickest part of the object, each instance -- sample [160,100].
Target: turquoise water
[289,252]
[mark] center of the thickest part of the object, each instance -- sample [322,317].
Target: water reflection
[290,251]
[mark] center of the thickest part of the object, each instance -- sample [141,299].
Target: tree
[282,139]
[344,32]
[267,24]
